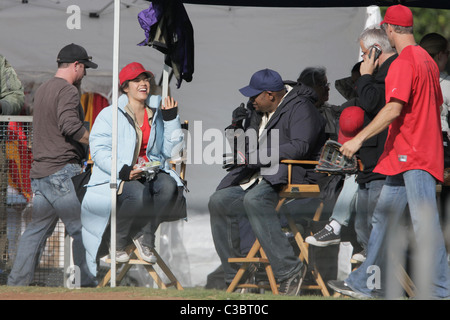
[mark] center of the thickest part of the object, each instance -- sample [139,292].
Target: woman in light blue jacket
[145,133]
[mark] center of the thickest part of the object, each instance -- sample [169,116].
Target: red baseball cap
[398,15]
[351,122]
[132,71]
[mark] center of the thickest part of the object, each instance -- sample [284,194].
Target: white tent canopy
[231,43]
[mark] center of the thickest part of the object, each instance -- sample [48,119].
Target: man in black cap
[59,147]
[287,124]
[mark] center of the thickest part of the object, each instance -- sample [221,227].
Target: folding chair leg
[160,262]
[269,272]
[298,239]
[320,282]
[250,255]
[405,281]
[134,253]
[123,272]
[304,253]
[237,278]
[105,280]
[151,271]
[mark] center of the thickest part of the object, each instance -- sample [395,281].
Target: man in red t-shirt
[412,161]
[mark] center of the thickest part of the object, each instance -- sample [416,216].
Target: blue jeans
[258,203]
[142,207]
[417,188]
[368,194]
[346,202]
[54,198]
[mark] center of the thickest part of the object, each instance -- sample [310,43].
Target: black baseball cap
[74,52]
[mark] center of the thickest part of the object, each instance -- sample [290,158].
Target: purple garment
[147,18]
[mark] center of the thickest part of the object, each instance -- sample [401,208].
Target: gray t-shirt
[57,127]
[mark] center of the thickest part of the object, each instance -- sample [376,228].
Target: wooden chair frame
[289,191]
[178,165]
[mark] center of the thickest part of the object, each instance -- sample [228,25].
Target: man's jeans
[54,198]
[417,188]
[258,203]
[368,194]
[346,202]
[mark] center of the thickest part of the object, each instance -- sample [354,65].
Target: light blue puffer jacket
[166,138]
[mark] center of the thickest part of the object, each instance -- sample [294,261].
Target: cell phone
[377,51]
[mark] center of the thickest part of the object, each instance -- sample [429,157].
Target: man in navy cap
[286,123]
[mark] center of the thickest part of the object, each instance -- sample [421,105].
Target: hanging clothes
[20,157]
[168,29]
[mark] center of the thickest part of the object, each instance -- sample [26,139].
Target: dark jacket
[301,136]
[371,97]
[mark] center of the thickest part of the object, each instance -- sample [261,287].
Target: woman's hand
[169,103]
[136,173]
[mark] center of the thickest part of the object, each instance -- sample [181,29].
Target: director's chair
[178,165]
[256,255]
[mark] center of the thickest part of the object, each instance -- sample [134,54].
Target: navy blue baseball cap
[263,80]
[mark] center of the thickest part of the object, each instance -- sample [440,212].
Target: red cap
[350,123]
[398,15]
[132,71]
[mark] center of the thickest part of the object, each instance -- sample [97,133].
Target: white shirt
[445,87]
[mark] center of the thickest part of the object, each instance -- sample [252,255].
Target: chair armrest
[177,160]
[299,162]
[291,162]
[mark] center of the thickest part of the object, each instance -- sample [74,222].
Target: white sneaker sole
[312,241]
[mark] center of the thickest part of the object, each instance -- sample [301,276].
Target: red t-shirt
[145,128]
[415,139]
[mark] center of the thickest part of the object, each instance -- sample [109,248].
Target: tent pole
[165,84]
[115,97]
[164,94]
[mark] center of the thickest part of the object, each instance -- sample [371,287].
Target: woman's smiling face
[139,88]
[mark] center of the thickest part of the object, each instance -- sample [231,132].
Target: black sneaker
[291,286]
[342,288]
[324,237]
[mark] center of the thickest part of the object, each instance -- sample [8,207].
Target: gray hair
[371,36]
[312,76]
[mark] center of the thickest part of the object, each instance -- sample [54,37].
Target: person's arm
[173,135]
[370,93]
[11,91]
[85,138]
[383,119]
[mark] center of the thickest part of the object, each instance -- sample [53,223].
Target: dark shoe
[291,286]
[324,237]
[342,288]
[144,251]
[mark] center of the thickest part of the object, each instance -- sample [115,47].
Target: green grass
[140,292]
